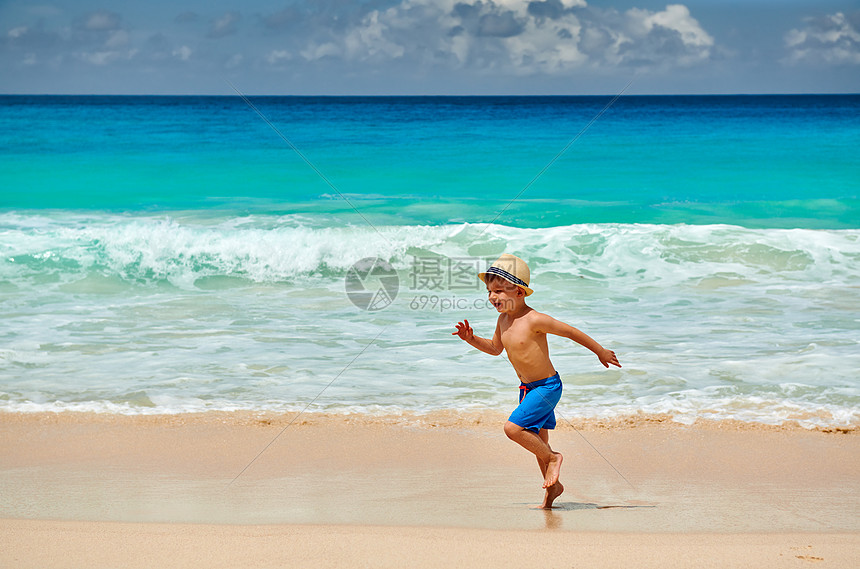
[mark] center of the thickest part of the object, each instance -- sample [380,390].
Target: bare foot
[553,469]
[552,493]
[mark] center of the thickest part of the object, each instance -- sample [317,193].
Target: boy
[521,332]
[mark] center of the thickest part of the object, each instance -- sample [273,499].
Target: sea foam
[179,313]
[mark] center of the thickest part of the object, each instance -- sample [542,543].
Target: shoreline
[109,490]
[480,419]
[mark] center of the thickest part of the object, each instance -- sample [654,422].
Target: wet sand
[85,490]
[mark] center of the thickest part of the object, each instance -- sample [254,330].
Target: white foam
[709,321]
[277,249]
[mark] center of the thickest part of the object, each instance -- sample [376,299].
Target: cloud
[100,38]
[491,43]
[832,39]
[18,32]
[370,40]
[182,53]
[642,38]
[501,35]
[551,9]
[234,61]
[514,37]
[487,19]
[225,25]
[277,56]
[315,52]
[30,45]
[105,57]
[117,39]
[102,21]
[35,38]
[677,18]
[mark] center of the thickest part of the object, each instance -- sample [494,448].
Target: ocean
[187,254]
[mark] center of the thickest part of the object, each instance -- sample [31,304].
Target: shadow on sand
[568,506]
[554,519]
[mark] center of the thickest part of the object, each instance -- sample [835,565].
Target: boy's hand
[464,331]
[608,357]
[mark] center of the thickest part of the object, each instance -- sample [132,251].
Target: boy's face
[504,295]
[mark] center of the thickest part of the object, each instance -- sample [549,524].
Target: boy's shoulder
[539,319]
[533,317]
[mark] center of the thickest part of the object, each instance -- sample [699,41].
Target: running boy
[521,332]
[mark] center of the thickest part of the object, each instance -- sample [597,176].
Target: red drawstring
[525,389]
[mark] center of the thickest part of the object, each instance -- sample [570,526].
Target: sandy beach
[89,490]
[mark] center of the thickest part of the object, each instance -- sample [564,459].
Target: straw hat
[512,269]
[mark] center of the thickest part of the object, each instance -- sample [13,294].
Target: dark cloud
[466,11]
[486,19]
[503,25]
[551,9]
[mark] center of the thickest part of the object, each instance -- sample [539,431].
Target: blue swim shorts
[537,403]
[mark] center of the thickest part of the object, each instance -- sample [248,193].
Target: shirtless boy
[521,332]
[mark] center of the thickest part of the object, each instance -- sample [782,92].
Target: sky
[429,47]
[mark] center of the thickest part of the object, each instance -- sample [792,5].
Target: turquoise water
[750,161]
[175,254]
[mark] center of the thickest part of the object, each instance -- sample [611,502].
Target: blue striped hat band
[506,275]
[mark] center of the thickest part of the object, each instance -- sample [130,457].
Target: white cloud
[551,46]
[183,53]
[369,39]
[318,51]
[234,61]
[832,39]
[276,56]
[18,32]
[496,34]
[677,18]
[102,21]
[491,43]
[117,39]
[519,36]
[665,39]
[106,57]
[795,38]
[225,25]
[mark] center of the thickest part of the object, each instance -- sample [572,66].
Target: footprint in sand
[810,558]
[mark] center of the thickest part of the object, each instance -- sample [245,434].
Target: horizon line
[414,95]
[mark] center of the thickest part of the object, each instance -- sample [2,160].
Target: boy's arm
[493,347]
[550,325]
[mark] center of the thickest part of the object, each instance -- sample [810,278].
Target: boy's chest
[516,335]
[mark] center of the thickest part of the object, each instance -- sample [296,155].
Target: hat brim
[483,277]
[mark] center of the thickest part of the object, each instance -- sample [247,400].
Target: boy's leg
[556,489]
[544,436]
[539,447]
